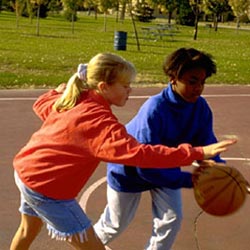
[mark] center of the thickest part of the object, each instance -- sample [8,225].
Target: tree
[248,10]
[18,7]
[38,4]
[240,8]
[133,22]
[185,14]
[123,5]
[91,5]
[55,6]
[169,5]
[143,11]
[70,8]
[104,6]
[196,7]
[216,7]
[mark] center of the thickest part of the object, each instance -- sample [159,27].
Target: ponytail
[75,86]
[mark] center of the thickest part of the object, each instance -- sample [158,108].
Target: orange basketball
[219,190]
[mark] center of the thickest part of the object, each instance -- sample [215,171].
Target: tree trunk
[216,22]
[72,22]
[196,23]
[122,13]
[169,17]
[17,14]
[105,21]
[37,21]
[117,12]
[237,22]
[134,25]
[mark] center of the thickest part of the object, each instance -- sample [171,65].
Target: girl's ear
[172,80]
[102,86]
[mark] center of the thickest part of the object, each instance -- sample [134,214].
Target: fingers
[223,146]
[61,88]
[226,143]
[217,148]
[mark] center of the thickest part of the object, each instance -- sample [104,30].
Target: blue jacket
[169,120]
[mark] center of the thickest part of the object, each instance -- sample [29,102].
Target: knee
[27,232]
[177,219]
[25,235]
[30,228]
[169,220]
[107,232]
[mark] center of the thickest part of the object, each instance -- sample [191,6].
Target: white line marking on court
[229,95]
[91,189]
[223,95]
[18,98]
[236,159]
[131,97]
[85,196]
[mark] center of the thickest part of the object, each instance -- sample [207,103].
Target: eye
[126,86]
[193,82]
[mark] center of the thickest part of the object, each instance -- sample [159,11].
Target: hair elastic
[82,71]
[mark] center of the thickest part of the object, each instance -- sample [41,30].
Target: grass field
[28,60]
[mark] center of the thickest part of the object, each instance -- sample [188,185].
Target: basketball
[219,190]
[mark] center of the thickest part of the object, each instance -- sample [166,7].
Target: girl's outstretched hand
[61,88]
[214,149]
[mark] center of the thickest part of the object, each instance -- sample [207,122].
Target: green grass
[28,60]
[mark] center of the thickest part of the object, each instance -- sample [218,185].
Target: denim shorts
[64,218]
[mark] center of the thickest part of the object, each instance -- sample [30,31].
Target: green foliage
[27,60]
[54,6]
[217,6]
[185,15]
[70,15]
[105,5]
[143,12]
[70,9]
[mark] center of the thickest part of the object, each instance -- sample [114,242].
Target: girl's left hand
[61,88]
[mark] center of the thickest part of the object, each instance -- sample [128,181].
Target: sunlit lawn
[28,60]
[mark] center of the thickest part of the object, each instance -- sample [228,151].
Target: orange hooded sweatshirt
[61,156]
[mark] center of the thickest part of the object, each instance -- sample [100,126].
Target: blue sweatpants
[121,208]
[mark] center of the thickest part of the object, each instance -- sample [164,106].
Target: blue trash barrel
[120,40]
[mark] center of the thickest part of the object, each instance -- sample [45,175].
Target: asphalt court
[231,109]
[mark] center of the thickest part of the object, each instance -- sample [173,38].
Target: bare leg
[91,241]
[28,229]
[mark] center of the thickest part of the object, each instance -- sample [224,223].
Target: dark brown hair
[184,59]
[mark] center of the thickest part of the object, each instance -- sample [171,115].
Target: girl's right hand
[214,149]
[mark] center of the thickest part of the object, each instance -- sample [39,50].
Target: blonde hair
[104,67]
